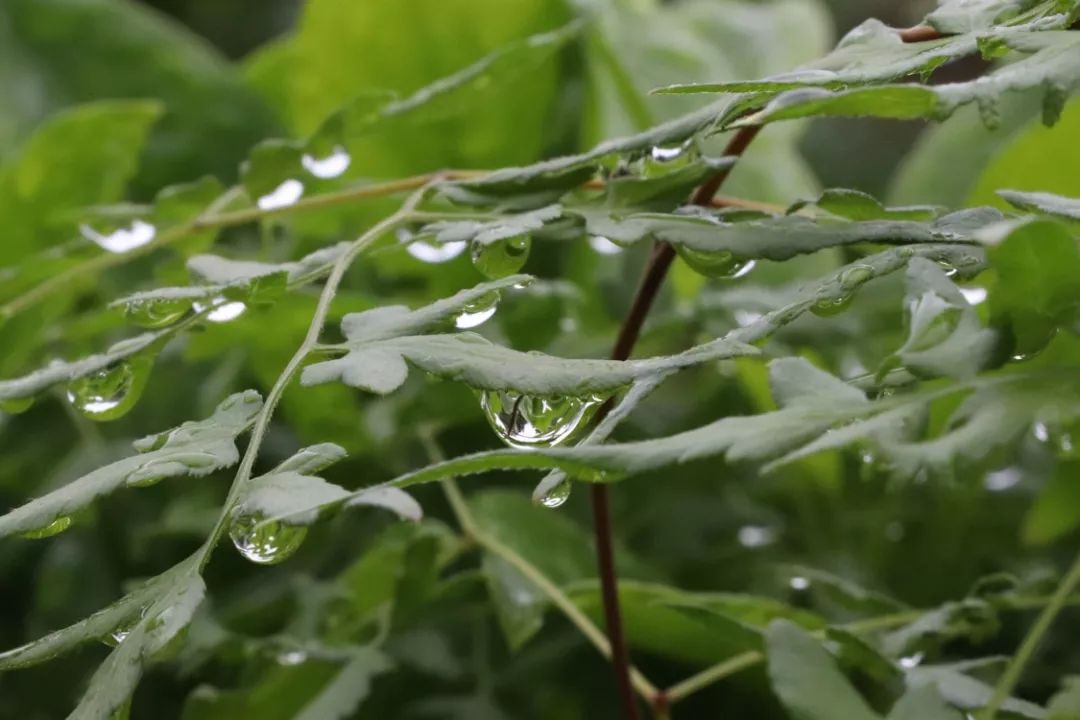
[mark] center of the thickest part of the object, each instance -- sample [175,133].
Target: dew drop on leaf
[111,392]
[122,238]
[329,166]
[664,159]
[120,633]
[284,195]
[222,309]
[14,406]
[502,257]
[425,249]
[831,304]
[154,313]
[478,311]
[266,543]
[525,421]
[553,491]
[57,526]
[144,476]
[603,246]
[721,264]
[856,276]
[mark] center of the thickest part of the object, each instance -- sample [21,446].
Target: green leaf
[340,697]
[79,157]
[922,703]
[1045,203]
[194,448]
[1038,288]
[805,678]
[1056,510]
[960,16]
[856,205]
[128,50]
[945,336]
[970,619]
[519,605]
[1065,705]
[967,693]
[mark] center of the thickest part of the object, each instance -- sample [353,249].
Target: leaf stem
[460,508]
[662,257]
[1015,669]
[311,340]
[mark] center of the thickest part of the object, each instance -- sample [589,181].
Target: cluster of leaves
[966,371]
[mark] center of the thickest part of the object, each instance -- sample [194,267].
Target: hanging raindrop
[501,257]
[120,239]
[526,421]
[111,392]
[58,525]
[155,313]
[265,543]
[329,166]
[478,311]
[720,264]
[553,491]
[14,406]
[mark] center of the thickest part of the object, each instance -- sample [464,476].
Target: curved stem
[311,339]
[1012,673]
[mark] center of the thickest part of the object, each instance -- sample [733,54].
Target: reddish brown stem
[657,267]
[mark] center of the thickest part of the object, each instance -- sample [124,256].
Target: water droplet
[603,245]
[427,250]
[57,526]
[855,276]
[720,264]
[292,658]
[268,543]
[1002,480]
[947,268]
[284,195]
[111,392]
[745,317]
[911,661]
[145,476]
[14,406]
[553,491]
[329,166]
[799,583]
[501,257]
[526,421]
[664,159]
[154,313]
[1058,439]
[756,536]
[828,304]
[223,310]
[121,239]
[478,311]
[974,295]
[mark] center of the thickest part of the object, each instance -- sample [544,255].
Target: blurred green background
[230,73]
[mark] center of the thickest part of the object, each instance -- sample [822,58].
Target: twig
[653,277]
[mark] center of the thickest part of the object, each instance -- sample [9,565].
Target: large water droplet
[111,392]
[427,250]
[856,276]
[478,311]
[120,633]
[120,239]
[527,421]
[720,264]
[329,166]
[267,543]
[603,245]
[223,310]
[831,304]
[57,526]
[14,406]
[284,195]
[502,257]
[553,491]
[664,159]
[154,313]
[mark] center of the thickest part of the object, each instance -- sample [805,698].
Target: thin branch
[311,340]
[653,277]
[558,598]
[1011,676]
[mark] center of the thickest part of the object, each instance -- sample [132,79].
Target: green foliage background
[106,102]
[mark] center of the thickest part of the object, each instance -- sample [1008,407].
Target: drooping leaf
[967,693]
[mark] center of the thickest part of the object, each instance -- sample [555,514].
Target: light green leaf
[1056,510]
[519,605]
[967,693]
[1065,705]
[1045,203]
[922,703]
[340,697]
[194,448]
[806,679]
[960,16]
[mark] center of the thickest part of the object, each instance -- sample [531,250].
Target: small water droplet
[291,658]
[329,166]
[949,270]
[856,276]
[974,295]
[1001,480]
[14,406]
[756,536]
[664,159]
[720,264]
[120,633]
[799,583]
[154,313]
[268,543]
[1056,438]
[829,304]
[553,491]
[501,257]
[603,245]
[223,310]
[478,311]
[57,526]
[145,476]
[121,239]
[745,317]
[111,392]
[284,195]
[427,250]
[526,421]
[911,661]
